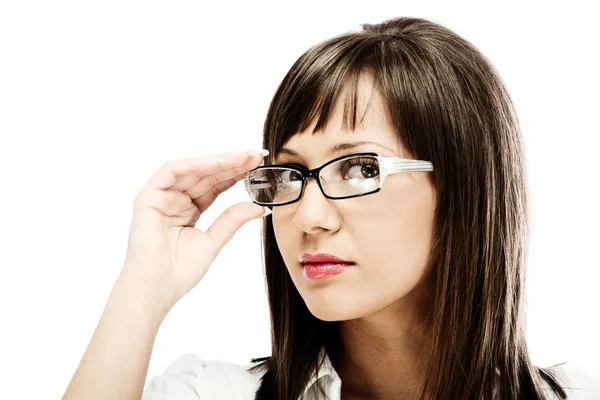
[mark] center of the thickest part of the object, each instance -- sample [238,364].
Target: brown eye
[360,168]
[291,176]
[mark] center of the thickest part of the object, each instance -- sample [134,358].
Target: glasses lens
[274,185]
[347,177]
[351,176]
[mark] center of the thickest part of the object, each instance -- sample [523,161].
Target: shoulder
[579,383]
[190,377]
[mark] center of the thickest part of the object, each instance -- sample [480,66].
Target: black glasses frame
[313,173]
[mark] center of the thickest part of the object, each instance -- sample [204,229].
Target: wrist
[142,297]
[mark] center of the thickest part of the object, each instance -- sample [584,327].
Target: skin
[381,301]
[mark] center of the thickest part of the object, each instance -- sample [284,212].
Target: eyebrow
[338,147]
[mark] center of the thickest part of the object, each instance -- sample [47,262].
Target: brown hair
[449,106]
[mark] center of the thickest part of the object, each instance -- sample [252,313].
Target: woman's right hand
[165,251]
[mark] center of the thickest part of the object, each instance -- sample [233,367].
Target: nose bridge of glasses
[323,176]
[312,173]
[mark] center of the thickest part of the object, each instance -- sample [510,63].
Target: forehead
[373,131]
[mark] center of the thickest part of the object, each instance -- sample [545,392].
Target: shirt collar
[325,378]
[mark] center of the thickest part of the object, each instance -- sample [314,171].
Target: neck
[384,355]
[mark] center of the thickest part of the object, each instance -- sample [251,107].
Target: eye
[289,175]
[360,168]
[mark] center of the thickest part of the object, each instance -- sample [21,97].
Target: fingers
[208,183]
[186,173]
[228,223]
[206,200]
[170,203]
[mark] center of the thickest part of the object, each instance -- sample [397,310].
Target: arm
[115,363]
[166,257]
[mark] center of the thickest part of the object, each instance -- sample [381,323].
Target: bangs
[314,84]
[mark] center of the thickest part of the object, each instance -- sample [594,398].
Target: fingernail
[267,211]
[263,152]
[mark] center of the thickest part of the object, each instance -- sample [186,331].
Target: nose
[315,213]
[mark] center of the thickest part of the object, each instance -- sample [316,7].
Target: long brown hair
[449,106]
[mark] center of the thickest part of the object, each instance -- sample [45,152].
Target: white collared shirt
[191,378]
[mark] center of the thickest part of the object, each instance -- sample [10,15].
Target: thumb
[232,219]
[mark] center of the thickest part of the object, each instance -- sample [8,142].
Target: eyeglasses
[345,177]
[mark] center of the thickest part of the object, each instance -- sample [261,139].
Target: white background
[94,96]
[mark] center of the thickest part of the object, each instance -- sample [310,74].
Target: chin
[330,310]
[329,315]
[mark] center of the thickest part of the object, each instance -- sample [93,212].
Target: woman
[395,247]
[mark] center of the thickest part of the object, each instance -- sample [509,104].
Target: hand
[165,250]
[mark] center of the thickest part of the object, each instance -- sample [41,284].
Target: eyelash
[351,162]
[360,161]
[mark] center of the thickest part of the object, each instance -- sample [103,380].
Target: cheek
[399,246]
[395,242]
[278,230]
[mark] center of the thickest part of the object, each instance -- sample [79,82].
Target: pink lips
[322,265]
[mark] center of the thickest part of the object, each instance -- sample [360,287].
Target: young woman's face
[386,234]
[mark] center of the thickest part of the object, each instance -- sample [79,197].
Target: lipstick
[323,265]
